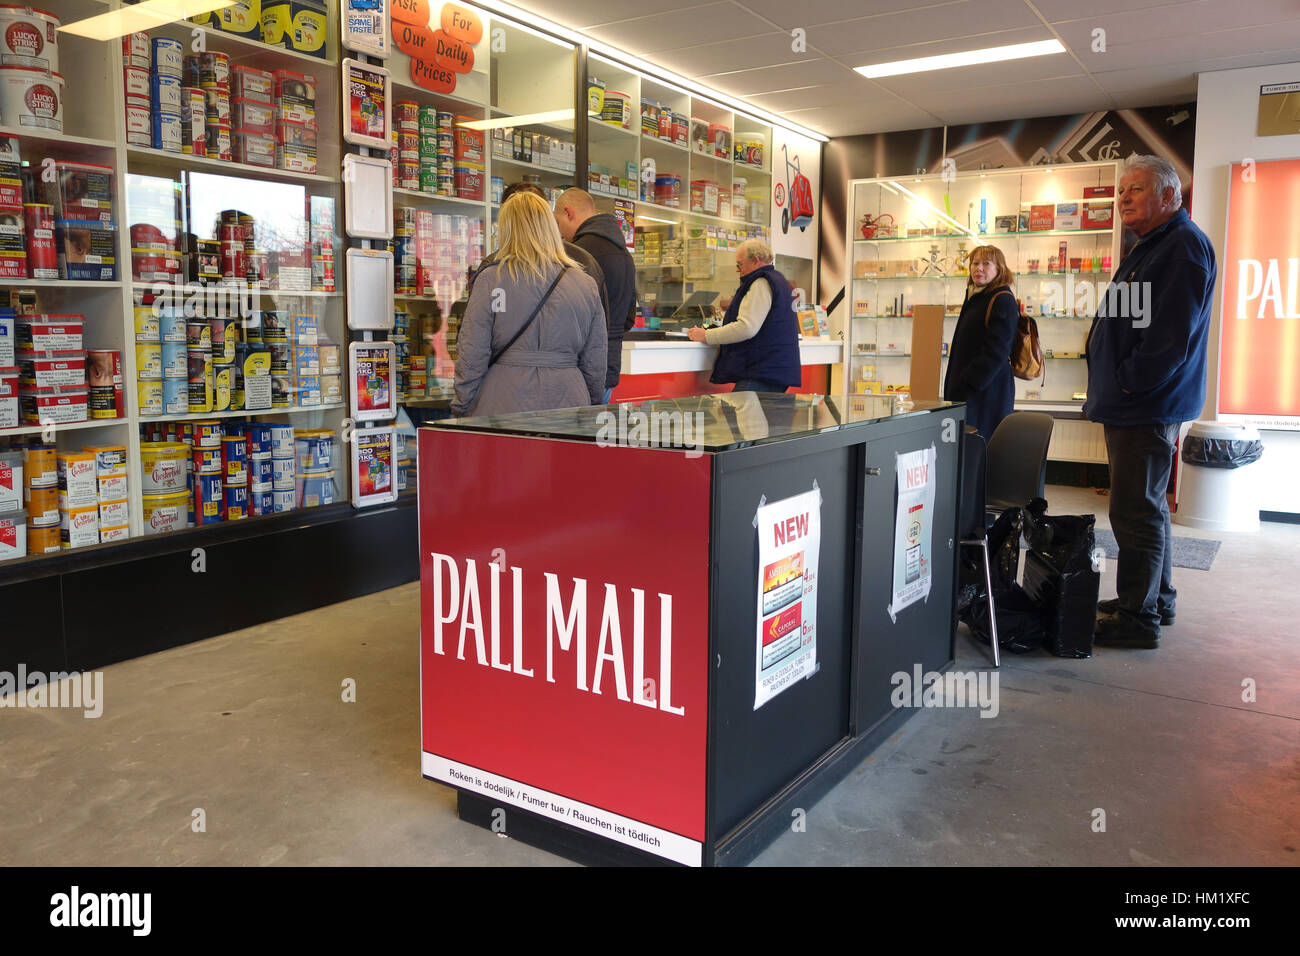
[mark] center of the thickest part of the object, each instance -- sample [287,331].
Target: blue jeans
[608,393]
[1141,457]
[758,385]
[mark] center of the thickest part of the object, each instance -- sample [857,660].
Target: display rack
[687,195]
[522,82]
[908,242]
[95,131]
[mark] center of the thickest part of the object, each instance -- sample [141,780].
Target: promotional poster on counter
[789,542]
[913,529]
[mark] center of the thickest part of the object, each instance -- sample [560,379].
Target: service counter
[675,368]
[650,631]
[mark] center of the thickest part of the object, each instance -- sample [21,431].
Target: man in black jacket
[600,235]
[576,253]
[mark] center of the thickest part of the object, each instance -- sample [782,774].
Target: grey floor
[251,730]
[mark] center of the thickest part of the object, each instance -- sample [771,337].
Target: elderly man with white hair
[758,343]
[1146,376]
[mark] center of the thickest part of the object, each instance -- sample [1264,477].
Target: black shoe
[1112,607]
[1116,631]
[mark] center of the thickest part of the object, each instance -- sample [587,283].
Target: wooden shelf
[64,426]
[115,284]
[404,84]
[434,198]
[566,174]
[50,141]
[243,50]
[239,413]
[255,290]
[659,141]
[686,213]
[160,157]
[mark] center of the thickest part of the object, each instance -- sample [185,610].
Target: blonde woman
[979,359]
[533,336]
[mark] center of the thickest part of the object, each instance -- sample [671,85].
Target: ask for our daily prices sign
[1259,332]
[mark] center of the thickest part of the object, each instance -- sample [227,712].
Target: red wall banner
[1259,335]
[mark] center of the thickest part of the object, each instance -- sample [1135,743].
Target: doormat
[1195,553]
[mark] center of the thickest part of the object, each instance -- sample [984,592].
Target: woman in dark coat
[979,359]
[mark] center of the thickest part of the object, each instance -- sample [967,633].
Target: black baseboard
[737,848]
[754,835]
[1283,517]
[87,609]
[549,835]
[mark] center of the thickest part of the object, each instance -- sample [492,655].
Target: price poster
[913,529]
[374,466]
[789,543]
[374,395]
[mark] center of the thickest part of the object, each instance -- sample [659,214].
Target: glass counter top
[702,423]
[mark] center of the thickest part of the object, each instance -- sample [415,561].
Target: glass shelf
[1029,233]
[883,265]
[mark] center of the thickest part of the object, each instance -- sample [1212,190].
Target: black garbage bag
[1060,575]
[1221,452]
[1020,620]
[1019,626]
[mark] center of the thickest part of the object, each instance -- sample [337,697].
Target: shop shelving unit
[526,75]
[94,131]
[930,225]
[615,150]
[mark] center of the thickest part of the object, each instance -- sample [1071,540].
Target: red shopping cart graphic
[799,212]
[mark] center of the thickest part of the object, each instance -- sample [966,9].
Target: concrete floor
[251,729]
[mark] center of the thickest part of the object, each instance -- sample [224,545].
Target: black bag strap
[496,356]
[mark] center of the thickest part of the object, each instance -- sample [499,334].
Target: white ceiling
[1153,51]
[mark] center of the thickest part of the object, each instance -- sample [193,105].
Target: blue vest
[773,353]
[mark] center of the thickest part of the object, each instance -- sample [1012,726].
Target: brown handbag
[1026,352]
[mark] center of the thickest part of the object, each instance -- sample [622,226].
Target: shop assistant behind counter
[758,343]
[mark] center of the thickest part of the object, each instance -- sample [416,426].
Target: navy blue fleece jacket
[1146,349]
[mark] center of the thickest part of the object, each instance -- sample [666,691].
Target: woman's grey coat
[558,363]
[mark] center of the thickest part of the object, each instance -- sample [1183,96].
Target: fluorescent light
[642,217]
[140,17]
[528,119]
[947,61]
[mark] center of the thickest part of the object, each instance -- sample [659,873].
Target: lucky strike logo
[24,39]
[41,100]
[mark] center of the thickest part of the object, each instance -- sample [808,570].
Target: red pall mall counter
[646,629]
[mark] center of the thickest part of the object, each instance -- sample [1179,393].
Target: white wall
[1227,104]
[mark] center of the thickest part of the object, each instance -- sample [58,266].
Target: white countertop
[681,355]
